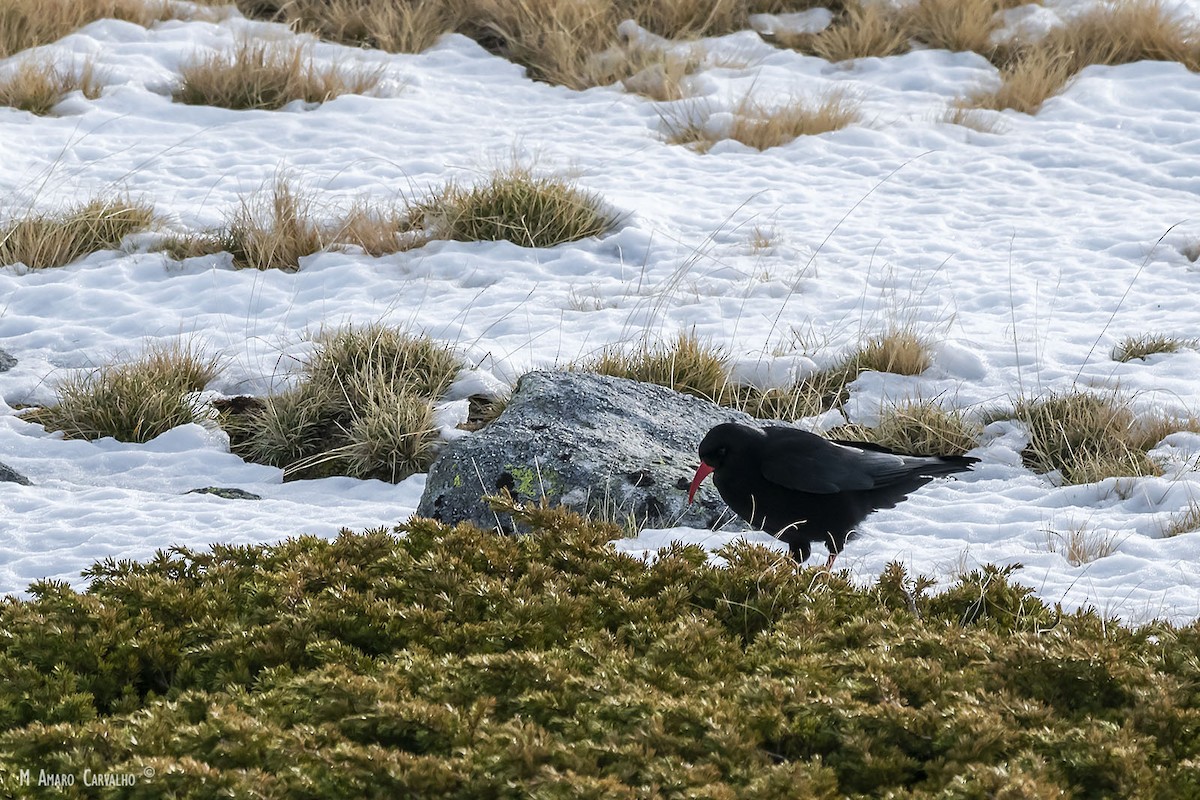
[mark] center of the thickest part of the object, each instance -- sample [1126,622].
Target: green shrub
[131,402]
[454,662]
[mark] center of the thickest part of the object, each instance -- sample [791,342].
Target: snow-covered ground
[1024,254]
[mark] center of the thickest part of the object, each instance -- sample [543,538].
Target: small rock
[7,361]
[10,475]
[228,494]
[608,446]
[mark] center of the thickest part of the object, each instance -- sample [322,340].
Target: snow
[1025,254]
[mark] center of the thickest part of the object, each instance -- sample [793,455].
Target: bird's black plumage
[803,488]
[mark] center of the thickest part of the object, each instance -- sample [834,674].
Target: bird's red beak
[702,472]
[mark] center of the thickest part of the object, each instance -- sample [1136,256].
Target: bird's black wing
[805,462]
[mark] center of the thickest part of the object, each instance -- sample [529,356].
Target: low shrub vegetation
[362,407]
[38,85]
[453,662]
[134,401]
[511,204]
[44,240]
[267,75]
[1088,437]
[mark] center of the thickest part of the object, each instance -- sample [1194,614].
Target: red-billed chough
[803,488]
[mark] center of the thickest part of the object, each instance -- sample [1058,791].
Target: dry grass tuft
[977,119]
[25,24]
[391,25]
[1149,344]
[40,241]
[656,73]
[1025,83]
[900,351]
[1080,545]
[759,126]
[957,25]
[268,75]
[513,205]
[687,365]
[1186,521]
[39,84]
[275,230]
[861,30]
[362,408]
[1088,437]
[919,429]
[1109,34]
[132,402]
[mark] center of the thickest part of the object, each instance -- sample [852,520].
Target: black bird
[803,488]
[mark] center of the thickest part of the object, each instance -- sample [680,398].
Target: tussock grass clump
[1088,437]
[1026,82]
[39,84]
[861,30]
[362,408]
[958,25]
[900,351]
[25,24]
[1186,521]
[695,367]
[275,228]
[687,365]
[440,661]
[131,402]
[267,75]
[1148,344]
[919,429]
[1111,34]
[397,26]
[759,126]
[513,205]
[45,240]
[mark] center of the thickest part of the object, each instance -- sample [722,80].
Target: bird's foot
[829,561]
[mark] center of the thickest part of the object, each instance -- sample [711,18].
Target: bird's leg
[800,551]
[829,562]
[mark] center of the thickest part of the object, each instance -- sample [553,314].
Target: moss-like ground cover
[452,662]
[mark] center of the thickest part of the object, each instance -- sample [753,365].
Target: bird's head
[714,449]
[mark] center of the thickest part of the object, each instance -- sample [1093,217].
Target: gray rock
[10,475]
[228,494]
[590,442]
[7,361]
